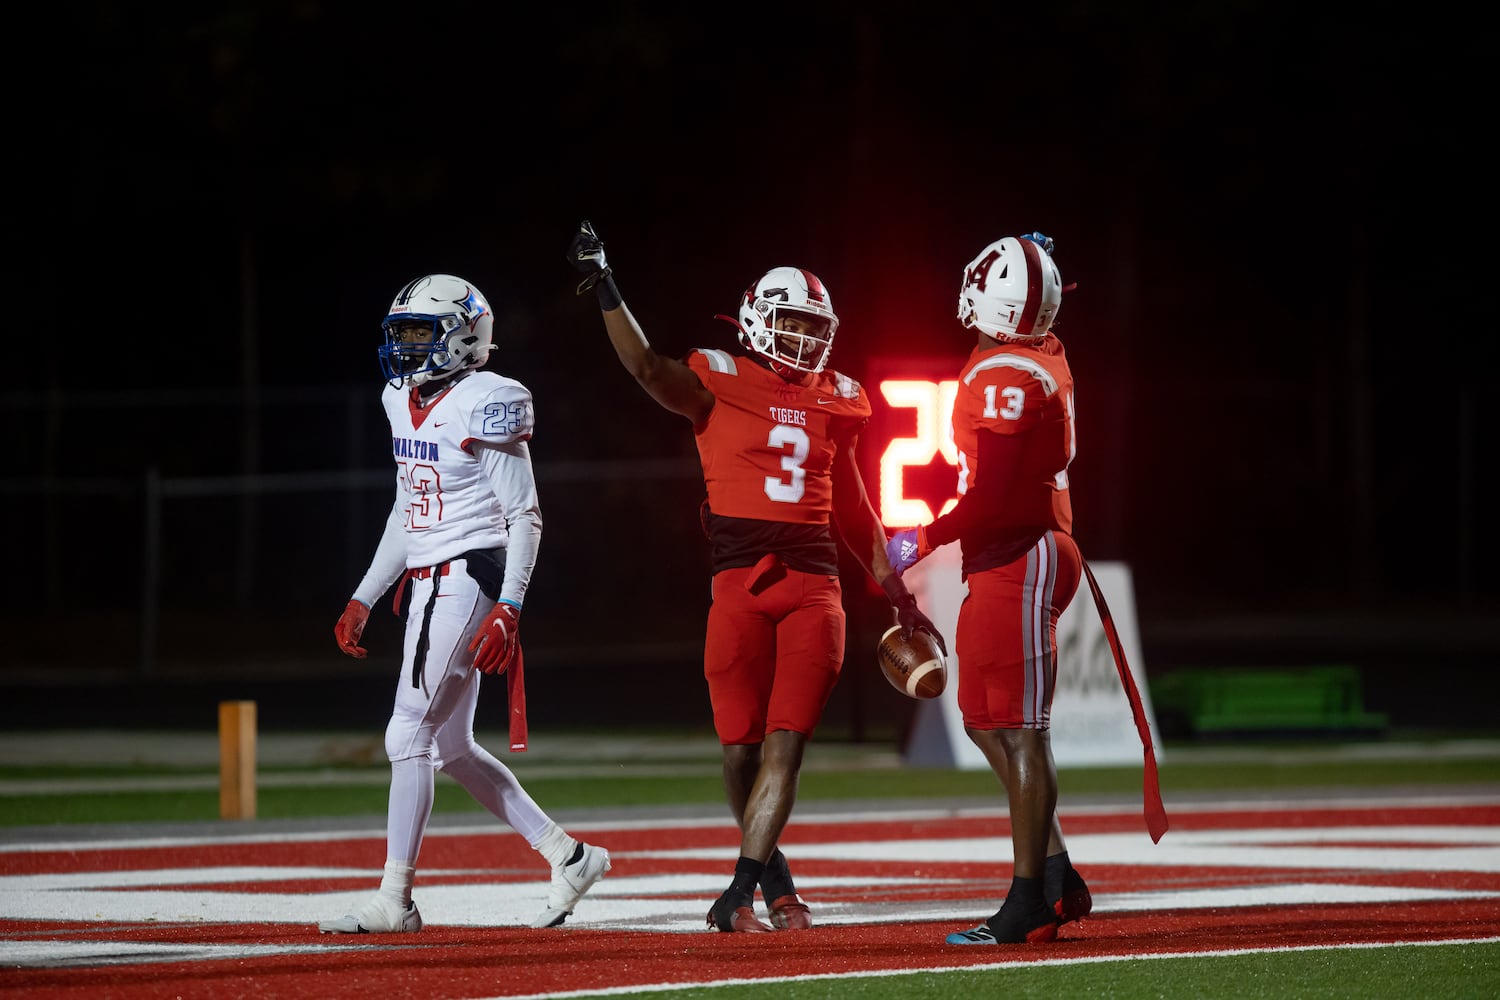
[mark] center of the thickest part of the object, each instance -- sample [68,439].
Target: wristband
[609,295]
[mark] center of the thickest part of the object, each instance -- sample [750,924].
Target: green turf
[356,791]
[1452,972]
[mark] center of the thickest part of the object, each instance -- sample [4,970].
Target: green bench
[1231,701]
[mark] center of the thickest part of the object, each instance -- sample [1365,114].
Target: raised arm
[668,381]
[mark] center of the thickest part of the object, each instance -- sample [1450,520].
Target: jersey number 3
[779,489]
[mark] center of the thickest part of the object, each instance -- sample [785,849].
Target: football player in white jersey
[465,527]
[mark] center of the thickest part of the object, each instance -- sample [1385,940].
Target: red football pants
[1007,636]
[773,651]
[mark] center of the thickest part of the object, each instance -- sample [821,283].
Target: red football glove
[350,627]
[496,644]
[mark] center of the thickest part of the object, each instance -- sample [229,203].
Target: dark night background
[1277,217]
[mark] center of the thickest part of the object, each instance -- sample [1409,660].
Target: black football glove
[586,253]
[908,615]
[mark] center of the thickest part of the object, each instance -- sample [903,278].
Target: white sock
[397,880]
[556,846]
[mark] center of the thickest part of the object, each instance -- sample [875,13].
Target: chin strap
[731,321]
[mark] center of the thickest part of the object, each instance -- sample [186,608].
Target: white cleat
[570,882]
[381,915]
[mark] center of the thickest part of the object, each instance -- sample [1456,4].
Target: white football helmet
[789,292]
[458,329]
[1012,290]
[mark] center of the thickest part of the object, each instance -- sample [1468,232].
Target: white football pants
[432,725]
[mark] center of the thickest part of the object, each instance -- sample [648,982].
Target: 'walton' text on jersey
[423,451]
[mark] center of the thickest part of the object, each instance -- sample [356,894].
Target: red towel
[1156,813]
[515,681]
[763,574]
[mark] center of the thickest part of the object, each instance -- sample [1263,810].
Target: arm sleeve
[389,561]
[999,457]
[508,468]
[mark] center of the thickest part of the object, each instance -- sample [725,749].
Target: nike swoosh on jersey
[825,402]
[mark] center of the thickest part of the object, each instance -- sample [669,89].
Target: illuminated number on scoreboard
[933,402]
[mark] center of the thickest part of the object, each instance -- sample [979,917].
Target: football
[916,667]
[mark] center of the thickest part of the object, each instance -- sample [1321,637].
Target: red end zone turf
[186,918]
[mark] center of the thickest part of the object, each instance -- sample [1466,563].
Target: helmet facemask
[416,349]
[795,338]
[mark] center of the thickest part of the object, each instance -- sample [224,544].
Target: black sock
[1024,893]
[747,872]
[776,880]
[1022,912]
[1052,877]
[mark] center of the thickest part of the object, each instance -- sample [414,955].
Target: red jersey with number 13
[1020,389]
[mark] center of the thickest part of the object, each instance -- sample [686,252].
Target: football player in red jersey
[1013,427]
[776,432]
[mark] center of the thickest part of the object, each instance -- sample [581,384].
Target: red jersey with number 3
[1020,389]
[767,446]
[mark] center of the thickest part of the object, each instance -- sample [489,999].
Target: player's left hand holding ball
[911,619]
[350,627]
[496,644]
[908,616]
